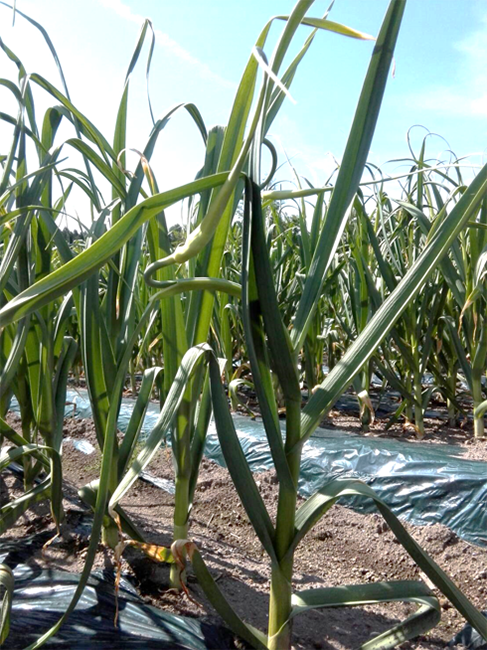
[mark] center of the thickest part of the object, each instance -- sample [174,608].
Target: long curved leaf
[425,618]
[317,505]
[7,582]
[83,265]
[351,169]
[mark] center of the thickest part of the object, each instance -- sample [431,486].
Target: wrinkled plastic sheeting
[422,483]
[42,596]
[469,638]
[78,404]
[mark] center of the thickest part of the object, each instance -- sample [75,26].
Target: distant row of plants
[369,282]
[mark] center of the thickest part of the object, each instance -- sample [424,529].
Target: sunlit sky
[201,49]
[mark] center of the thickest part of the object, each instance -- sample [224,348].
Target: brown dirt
[344,547]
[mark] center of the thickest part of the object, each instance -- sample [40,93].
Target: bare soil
[344,547]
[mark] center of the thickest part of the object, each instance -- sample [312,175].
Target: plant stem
[366,414]
[133,381]
[280,607]
[478,364]
[281,574]
[452,411]
[181,509]
[408,411]
[109,531]
[418,389]
[478,421]
[418,407]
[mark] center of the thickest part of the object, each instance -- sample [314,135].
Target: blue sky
[201,48]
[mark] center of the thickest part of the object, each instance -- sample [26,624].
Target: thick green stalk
[478,365]
[418,389]
[279,631]
[182,455]
[181,519]
[109,531]
[418,407]
[366,413]
[181,443]
[478,421]
[452,410]
[408,411]
[279,637]
[309,367]
[181,508]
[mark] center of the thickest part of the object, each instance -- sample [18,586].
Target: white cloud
[466,96]
[458,101]
[124,11]
[474,47]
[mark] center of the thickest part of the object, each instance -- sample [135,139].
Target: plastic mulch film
[422,483]
[41,596]
[469,638]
